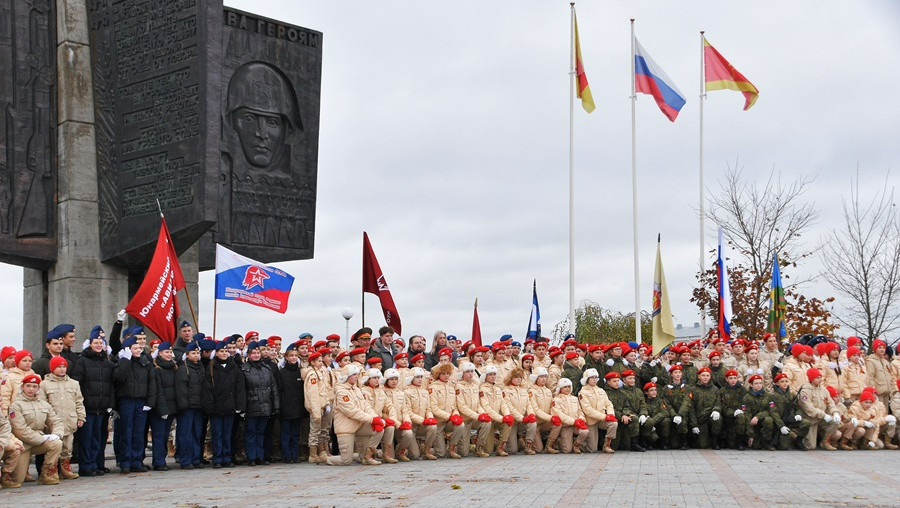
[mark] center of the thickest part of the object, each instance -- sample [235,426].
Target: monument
[115,109]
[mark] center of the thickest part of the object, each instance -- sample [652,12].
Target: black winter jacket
[290,388]
[166,374]
[223,389]
[136,379]
[94,372]
[262,391]
[189,385]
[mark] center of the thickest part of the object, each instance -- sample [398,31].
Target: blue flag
[534,321]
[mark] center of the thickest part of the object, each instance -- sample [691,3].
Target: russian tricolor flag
[243,279]
[650,79]
[724,291]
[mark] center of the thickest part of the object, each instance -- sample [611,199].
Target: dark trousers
[92,442]
[220,428]
[161,430]
[254,430]
[189,446]
[100,461]
[132,419]
[290,439]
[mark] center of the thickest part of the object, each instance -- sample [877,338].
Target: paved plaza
[659,478]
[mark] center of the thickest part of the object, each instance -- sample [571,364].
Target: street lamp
[347,313]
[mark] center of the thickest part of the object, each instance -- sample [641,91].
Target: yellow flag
[581,83]
[663,327]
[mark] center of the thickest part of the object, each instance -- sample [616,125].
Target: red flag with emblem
[375,283]
[155,304]
[476,326]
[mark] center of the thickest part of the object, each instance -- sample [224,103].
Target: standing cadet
[223,396]
[879,372]
[189,392]
[706,410]
[318,397]
[554,371]
[262,403]
[136,385]
[35,423]
[290,386]
[163,413]
[854,375]
[571,371]
[636,403]
[94,372]
[598,411]
[354,418]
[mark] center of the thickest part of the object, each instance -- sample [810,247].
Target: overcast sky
[444,134]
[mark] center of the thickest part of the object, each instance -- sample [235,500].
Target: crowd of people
[247,400]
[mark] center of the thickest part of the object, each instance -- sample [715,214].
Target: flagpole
[702,193]
[215,312]
[186,292]
[637,277]
[572,171]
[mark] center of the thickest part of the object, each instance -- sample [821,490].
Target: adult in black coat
[290,386]
[136,385]
[262,402]
[94,372]
[162,414]
[224,397]
[189,394]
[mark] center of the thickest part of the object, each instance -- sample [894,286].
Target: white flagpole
[572,170]
[702,191]
[637,276]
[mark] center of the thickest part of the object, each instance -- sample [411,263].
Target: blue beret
[183,324]
[60,331]
[164,345]
[221,345]
[137,330]
[252,345]
[451,337]
[193,346]
[516,344]
[95,332]
[633,345]
[228,340]
[207,344]
[291,347]
[130,341]
[199,336]
[569,336]
[305,335]
[505,337]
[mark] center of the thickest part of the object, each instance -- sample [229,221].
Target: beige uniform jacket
[595,404]
[418,403]
[518,400]
[351,409]
[816,402]
[32,419]
[567,408]
[380,402]
[9,389]
[64,395]
[468,402]
[317,390]
[442,400]
[853,380]
[493,401]
[541,403]
[879,374]
[554,373]
[398,404]
[796,372]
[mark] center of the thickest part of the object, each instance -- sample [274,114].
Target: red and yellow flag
[721,75]
[581,84]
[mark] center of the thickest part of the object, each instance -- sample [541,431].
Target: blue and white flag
[534,321]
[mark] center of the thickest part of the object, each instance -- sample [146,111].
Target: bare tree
[862,262]
[760,221]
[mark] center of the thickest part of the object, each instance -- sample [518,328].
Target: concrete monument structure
[111,106]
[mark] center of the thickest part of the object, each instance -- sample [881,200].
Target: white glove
[642,419]
[237,411]
[51,437]
[855,422]
[125,353]
[845,363]
[871,444]
[654,363]
[836,417]
[113,414]
[831,365]
[610,362]
[715,416]
[120,316]
[625,362]
[146,408]
[778,365]
[696,430]
[828,418]
[759,371]
[891,419]
[328,409]
[868,424]
[676,420]
[653,379]
[165,417]
[738,412]
[797,418]
[750,371]
[669,368]
[785,431]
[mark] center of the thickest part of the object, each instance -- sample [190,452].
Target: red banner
[476,326]
[155,304]
[374,282]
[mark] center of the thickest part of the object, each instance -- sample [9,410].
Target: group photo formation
[251,401]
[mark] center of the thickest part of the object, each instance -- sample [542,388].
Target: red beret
[583,347]
[332,337]
[56,361]
[302,342]
[358,351]
[628,372]
[611,375]
[482,349]
[325,351]
[313,356]
[753,377]
[529,341]
[676,367]
[31,378]
[852,350]
[6,352]
[22,354]
[554,354]
[570,342]
[832,391]
[320,343]
[594,347]
[571,355]
[251,333]
[416,358]
[527,356]
[498,346]
[154,341]
[445,352]
[374,360]
[863,396]
[339,356]
[400,356]
[704,369]
[812,374]
[756,346]
[731,372]
[649,386]
[780,375]
[714,353]
[465,345]
[854,341]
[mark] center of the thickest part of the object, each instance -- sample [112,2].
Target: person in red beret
[656,429]
[318,397]
[541,358]
[879,372]
[706,410]
[762,418]
[865,417]
[675,395]
[554,371]
[38,427]
[820,410]
[788,414]
[853,375]
[64,396]
[734,426]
